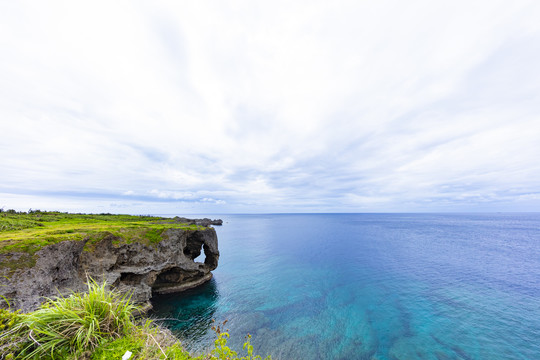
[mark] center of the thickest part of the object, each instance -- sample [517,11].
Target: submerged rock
[136,268]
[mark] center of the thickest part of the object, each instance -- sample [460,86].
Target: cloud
[172,195]
[349,106]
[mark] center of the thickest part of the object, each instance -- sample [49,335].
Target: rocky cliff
[141,269]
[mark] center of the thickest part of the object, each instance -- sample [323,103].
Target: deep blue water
[371,286]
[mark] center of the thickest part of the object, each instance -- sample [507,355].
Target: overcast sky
[183,107]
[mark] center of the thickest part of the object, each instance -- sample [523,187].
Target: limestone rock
[139,269]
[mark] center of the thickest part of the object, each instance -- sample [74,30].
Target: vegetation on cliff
[96,325]
[28,232]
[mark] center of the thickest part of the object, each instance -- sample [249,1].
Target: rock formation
[142,270]
[201,222]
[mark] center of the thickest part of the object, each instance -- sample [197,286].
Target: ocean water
[370,286]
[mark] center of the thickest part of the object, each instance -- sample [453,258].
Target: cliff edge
[141,260]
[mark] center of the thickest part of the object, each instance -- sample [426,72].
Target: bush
[222,352]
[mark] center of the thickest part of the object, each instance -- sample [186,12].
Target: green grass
[79,322]
[28,232]
[97,325]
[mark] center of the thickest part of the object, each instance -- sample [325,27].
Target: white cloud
[342,106]
[172,195]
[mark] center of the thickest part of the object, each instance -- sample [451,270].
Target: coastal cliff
[153,258]
[77,276]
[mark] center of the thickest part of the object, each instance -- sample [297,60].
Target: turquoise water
[371,286]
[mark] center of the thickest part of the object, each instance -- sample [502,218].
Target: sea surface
[370,286]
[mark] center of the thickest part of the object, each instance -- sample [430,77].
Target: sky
[214,107]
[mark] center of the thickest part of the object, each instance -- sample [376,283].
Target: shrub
[222,352]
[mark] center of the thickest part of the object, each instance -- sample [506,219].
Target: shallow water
[371,286]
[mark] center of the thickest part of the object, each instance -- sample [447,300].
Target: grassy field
[30,231]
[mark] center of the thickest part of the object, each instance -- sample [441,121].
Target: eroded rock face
[142,270]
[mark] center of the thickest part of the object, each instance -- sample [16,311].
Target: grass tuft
[79,322]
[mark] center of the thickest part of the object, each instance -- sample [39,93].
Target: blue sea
[370,286]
